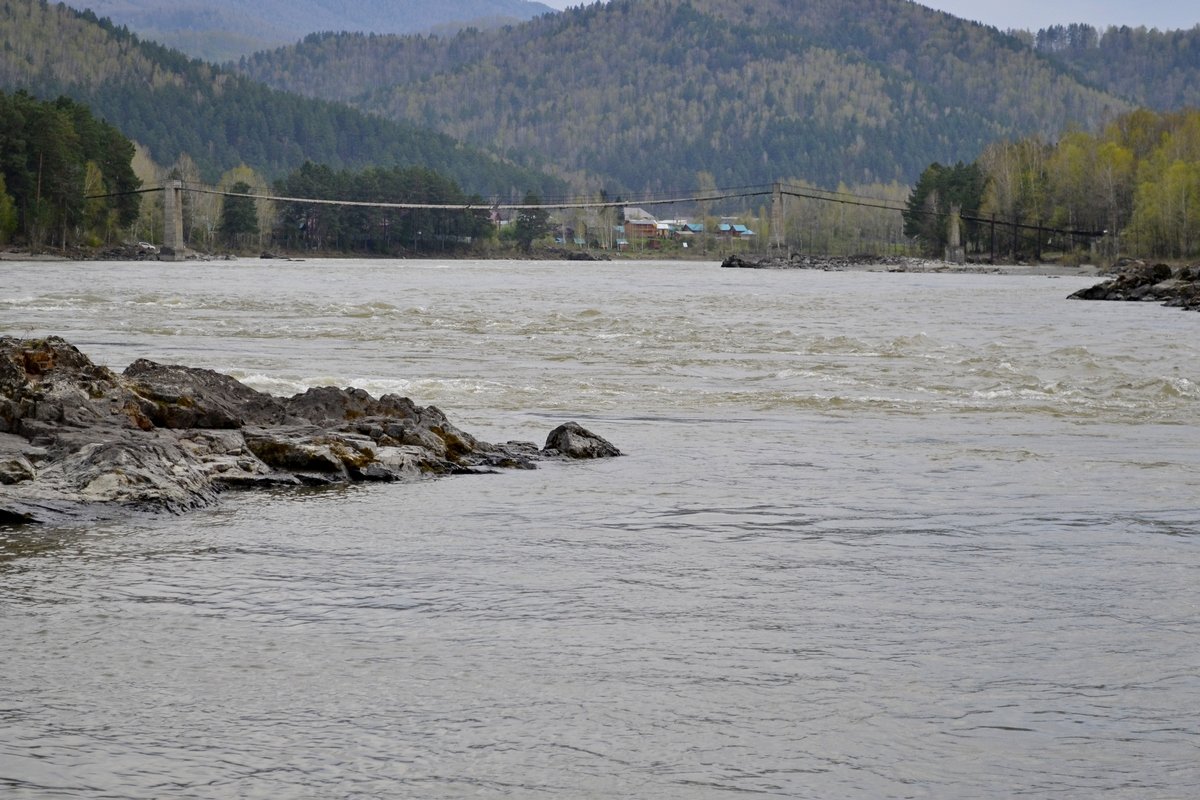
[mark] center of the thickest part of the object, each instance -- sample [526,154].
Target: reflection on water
[22,541]
[876,536]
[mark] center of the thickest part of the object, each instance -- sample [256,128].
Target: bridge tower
[777,216]
[173,248]
[955,252]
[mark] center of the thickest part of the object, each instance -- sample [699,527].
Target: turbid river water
[875,536]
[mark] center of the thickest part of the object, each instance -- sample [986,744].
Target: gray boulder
[571,440]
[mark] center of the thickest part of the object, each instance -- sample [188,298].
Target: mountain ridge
[174,105]
[224,30]
[653,93]
[1157,69]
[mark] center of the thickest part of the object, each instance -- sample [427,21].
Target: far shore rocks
[1177,287]
[78,440]
[564,254]
[834,263]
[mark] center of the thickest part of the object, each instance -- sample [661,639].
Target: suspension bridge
[175,247]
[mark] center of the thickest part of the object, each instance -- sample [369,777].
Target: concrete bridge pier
[777,216]
[955,252]
[173,248]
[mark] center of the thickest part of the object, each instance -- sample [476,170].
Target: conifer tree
[532,223]
[239,220]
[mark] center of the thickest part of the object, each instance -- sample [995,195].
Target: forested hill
[652,93]
[174,105]
[223,30]
[1153,68]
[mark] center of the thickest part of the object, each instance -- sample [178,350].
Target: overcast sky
[1034,14]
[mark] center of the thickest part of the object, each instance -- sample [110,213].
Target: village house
[640,229]
[639,224]
[735,231]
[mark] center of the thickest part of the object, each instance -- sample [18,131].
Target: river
[875,535]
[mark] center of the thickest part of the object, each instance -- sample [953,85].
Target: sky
[1035,14]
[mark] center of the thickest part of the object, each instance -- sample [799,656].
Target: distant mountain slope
[173,105]
[224,30]
[1157,69]
[653,92]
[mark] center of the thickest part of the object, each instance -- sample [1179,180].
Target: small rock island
[78,440]
[1176,287]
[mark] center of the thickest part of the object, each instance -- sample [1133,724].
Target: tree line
[1133,188]
[65,176]
[235,214]
[1136,183]
[372,230]
[1156,69]
[69,179]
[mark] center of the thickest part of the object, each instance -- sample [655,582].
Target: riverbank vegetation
[376,230]
[65,176]
[646,98]
[1131,189]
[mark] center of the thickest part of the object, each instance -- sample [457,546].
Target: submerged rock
[77,439]
[1172,286]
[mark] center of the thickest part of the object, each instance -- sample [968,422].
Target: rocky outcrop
[77,439]
[1160,283]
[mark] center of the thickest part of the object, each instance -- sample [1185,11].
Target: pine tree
[239,220]
[532,223]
